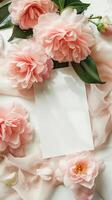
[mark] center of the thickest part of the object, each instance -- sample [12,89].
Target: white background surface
[104,182]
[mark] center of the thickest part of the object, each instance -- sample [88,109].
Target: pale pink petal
[26,13]
[80,169]
[29,64]
[55,32]
[15,130]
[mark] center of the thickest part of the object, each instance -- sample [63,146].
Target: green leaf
[60,4]
[56,2]
[87,71]
[18,33]
[58,65]
[4,13]
[6,23]
[77,4]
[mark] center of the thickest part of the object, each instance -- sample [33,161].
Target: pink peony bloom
[29,64]
[81,169]
[15,130]
[26,13]
[66,37]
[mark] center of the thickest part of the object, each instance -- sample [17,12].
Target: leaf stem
[96,17]
[96,24]
[58,65]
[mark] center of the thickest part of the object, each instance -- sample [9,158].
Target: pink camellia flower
[105,26]
[66,37]
[29,64]
[81,169]
[15,130]
[26,13]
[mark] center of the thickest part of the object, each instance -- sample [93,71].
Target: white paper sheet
[62,115]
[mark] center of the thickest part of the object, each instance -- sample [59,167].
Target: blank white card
[62,115]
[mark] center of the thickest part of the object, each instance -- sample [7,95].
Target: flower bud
[105,26]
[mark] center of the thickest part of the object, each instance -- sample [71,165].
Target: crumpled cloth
[100,96]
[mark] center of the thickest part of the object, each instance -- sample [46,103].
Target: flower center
[80,168]
[25,65]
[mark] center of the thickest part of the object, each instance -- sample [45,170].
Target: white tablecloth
[104,181]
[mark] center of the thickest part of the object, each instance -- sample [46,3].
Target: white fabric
[104,181]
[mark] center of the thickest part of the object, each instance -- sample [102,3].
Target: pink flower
[105,26]
[66,37]
[29,64]
[81,169]
[15,130]
[26,13]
